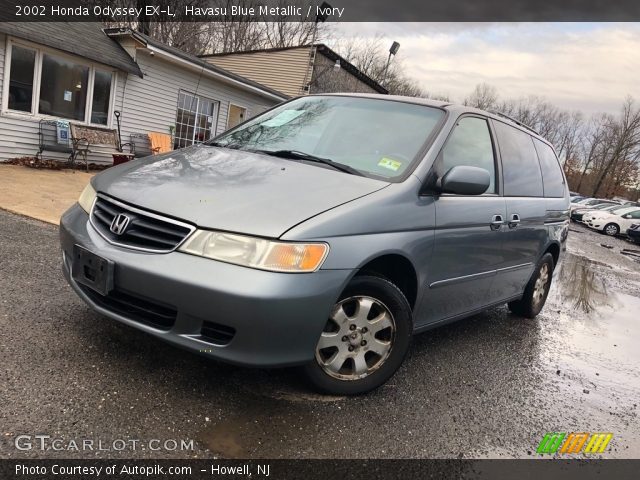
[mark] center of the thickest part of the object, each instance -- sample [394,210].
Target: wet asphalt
[488,386]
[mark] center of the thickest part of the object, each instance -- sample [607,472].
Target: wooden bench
[84,137]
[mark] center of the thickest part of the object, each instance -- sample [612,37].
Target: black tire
[389,296]
[531,304]
[611,229]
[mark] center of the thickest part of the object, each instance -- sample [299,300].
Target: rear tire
[611,229]
[366,338]
[536,291]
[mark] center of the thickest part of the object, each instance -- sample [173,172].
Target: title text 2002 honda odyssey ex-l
[324,233]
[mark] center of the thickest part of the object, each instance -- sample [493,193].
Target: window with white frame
[47,83]
[196,119]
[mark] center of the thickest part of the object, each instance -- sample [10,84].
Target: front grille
[144,231]
[135,308]
[216,333]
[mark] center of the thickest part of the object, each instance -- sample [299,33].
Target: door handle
[514,221]
[496,222]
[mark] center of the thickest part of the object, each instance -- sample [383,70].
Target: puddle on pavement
[579,286]
[599,325]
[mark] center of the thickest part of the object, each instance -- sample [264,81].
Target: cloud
[585,66]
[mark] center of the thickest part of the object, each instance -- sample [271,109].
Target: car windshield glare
[378,137]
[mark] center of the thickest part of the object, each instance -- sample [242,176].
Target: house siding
[19,136]
[284,70]
[327,79]
[150,104]
[146,104]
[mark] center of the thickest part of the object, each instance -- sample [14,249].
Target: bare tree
[370,57]
[625,142]
[484,97]
[228,34]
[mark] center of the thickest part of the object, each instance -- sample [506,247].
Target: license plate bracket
[92,270]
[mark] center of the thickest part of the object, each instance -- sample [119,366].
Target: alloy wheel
[611,230]
[541,285]
[357,339]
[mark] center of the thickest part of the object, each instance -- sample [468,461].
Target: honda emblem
[119,224]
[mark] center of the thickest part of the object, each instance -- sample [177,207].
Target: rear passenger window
[469,145]
[552,177]
[520,167]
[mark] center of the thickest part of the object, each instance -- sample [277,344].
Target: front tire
[611,229]
[536,291]
[366,338]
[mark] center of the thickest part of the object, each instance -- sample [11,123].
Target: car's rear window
[552,177]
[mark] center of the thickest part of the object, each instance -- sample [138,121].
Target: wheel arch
[554,249]
[396,268]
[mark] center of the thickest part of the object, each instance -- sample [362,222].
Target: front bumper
[270,319]
[597,224]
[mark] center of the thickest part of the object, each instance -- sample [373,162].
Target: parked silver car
[324,233]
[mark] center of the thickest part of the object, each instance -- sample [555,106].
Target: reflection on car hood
[232,190]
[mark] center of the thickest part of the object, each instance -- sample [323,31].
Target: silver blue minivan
[324,233]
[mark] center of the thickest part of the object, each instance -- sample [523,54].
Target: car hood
[602,214]
[232,190]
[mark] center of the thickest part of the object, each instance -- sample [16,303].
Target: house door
[237,115]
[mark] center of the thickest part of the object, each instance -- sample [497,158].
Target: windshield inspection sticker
[282,118]
[390,164]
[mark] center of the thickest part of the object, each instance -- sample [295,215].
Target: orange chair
[160,142]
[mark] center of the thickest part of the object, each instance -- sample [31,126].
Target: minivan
[324,233]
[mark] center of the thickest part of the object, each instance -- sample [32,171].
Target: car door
[467,240]
[526,235]
[629,219]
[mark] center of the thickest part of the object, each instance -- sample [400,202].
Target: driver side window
[469,145]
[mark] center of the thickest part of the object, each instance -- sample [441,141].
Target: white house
[76,72]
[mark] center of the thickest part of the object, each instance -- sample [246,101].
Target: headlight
[256,252]
[87,197]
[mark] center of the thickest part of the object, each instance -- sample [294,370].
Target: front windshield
[376,137]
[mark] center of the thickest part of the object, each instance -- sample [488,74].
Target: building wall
[327,79]
[147,104]
[283,70]
[150,104]
[19,133]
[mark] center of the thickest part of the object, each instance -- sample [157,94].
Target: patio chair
[160,142]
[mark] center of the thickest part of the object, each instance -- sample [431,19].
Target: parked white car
[590,203]
[613,224]
[606,212]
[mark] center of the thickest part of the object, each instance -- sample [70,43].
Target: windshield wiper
[297,155]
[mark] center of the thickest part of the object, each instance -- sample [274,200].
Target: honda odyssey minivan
[324,233]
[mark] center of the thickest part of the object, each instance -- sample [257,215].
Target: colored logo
[559,442]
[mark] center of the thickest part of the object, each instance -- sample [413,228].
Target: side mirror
[463,180]
[626,215]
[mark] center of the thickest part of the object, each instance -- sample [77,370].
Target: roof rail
[517,122]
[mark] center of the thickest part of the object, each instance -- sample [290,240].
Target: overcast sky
[585,66]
